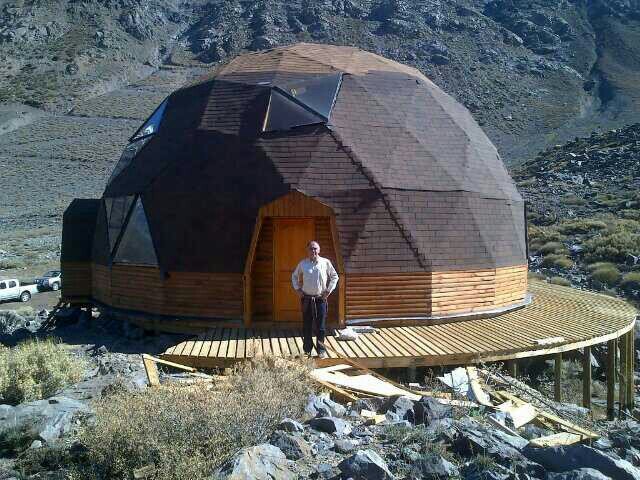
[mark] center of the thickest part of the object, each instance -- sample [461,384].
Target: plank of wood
[168,363]
[557,439]
[151,369]
[364,383]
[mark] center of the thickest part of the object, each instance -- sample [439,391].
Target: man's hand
[300,292]
[325,294]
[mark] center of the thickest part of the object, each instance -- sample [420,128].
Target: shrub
[8,264]
[551,247]
[614,247]
[557,261]
[630,282]
[186,433]
[571,199]
[560,281]
[607,274]
[598,265]
[630,213]
[581,225]
[36,369]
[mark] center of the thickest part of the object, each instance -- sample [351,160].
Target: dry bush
[36,369]
[606,274]
[614,247]
[560,281]
[630,282]
[557,261]
[186,433]
[552,248]
[581,225]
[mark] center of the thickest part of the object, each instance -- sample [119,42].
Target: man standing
[314,279]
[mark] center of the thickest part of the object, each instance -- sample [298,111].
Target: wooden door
[291,236]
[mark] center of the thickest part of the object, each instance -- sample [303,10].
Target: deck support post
[557,364]
[631,353]
[622,371]
[586,377]
[611,378]
[512,368]
[411,373]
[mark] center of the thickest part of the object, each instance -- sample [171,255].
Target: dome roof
[414,182]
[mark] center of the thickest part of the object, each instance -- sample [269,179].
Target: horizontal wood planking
[433,293]
[77,279]
[582,318]
[295,204]
[189,294]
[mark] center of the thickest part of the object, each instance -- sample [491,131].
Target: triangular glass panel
[318,93]
[136,245]
[152,125]
[127,156]
[117,210]
[284,114]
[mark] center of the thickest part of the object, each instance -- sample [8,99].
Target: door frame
[294,204]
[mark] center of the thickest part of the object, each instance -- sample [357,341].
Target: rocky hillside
[77,78]
[584,207]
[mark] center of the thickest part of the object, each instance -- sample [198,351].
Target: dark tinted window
[127,156]
[12,284]
[117,210]
[3,286]
[318,93]
[136,245]
[284,114]
[152,125]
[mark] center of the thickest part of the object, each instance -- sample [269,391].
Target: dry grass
[558,261]
[186,433]
[36,369]
[560,281]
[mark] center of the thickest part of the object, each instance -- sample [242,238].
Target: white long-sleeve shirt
[315,277]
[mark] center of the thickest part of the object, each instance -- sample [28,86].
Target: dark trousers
[314,310]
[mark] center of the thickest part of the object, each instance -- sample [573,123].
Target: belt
[311,296]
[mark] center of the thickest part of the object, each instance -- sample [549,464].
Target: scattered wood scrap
[153,374]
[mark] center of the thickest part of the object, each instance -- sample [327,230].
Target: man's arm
[332,277]
[295,278]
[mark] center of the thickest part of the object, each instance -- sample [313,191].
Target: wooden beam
[586,377]
[512,368]
[622,380]
[248,265]
[342,282]
[631,353]
[611,378]
[557,366]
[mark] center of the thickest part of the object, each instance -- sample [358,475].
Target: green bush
[552,247]
[560,281]
[607,275]
[36,369]
[632,214]
[557,261]
[598,265]
[630,282]
[571,199]
[186,433]
[581,225]
[614,247]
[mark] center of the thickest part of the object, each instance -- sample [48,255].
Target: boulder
[572,457]
[579,474]
[428,410]
[431,465]
[322,406]
[48,420]
[345,445]
[294,448]
[288,425]
[261,462]
[333,425]
[401,408]
[365,465]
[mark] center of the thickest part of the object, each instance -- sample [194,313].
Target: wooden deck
[580,318]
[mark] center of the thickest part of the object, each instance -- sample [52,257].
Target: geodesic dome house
[213,201]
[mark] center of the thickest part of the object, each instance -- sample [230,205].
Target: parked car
[12,289]
[52,280]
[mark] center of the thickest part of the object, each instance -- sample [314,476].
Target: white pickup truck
[12,289]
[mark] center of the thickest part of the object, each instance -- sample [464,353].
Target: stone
[326,470]
[579,474]
[48,419]
[293,447]
[345,445]
[322,406]
[261,462]
[431,465]
[428,409]
[333,425]
[289,425]
[374,404]
[572,457]
[400,407]
[365,465]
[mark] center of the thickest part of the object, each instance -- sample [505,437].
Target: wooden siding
[295,204]
[76,280]
[262,273]
[401,295]
[189,294]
